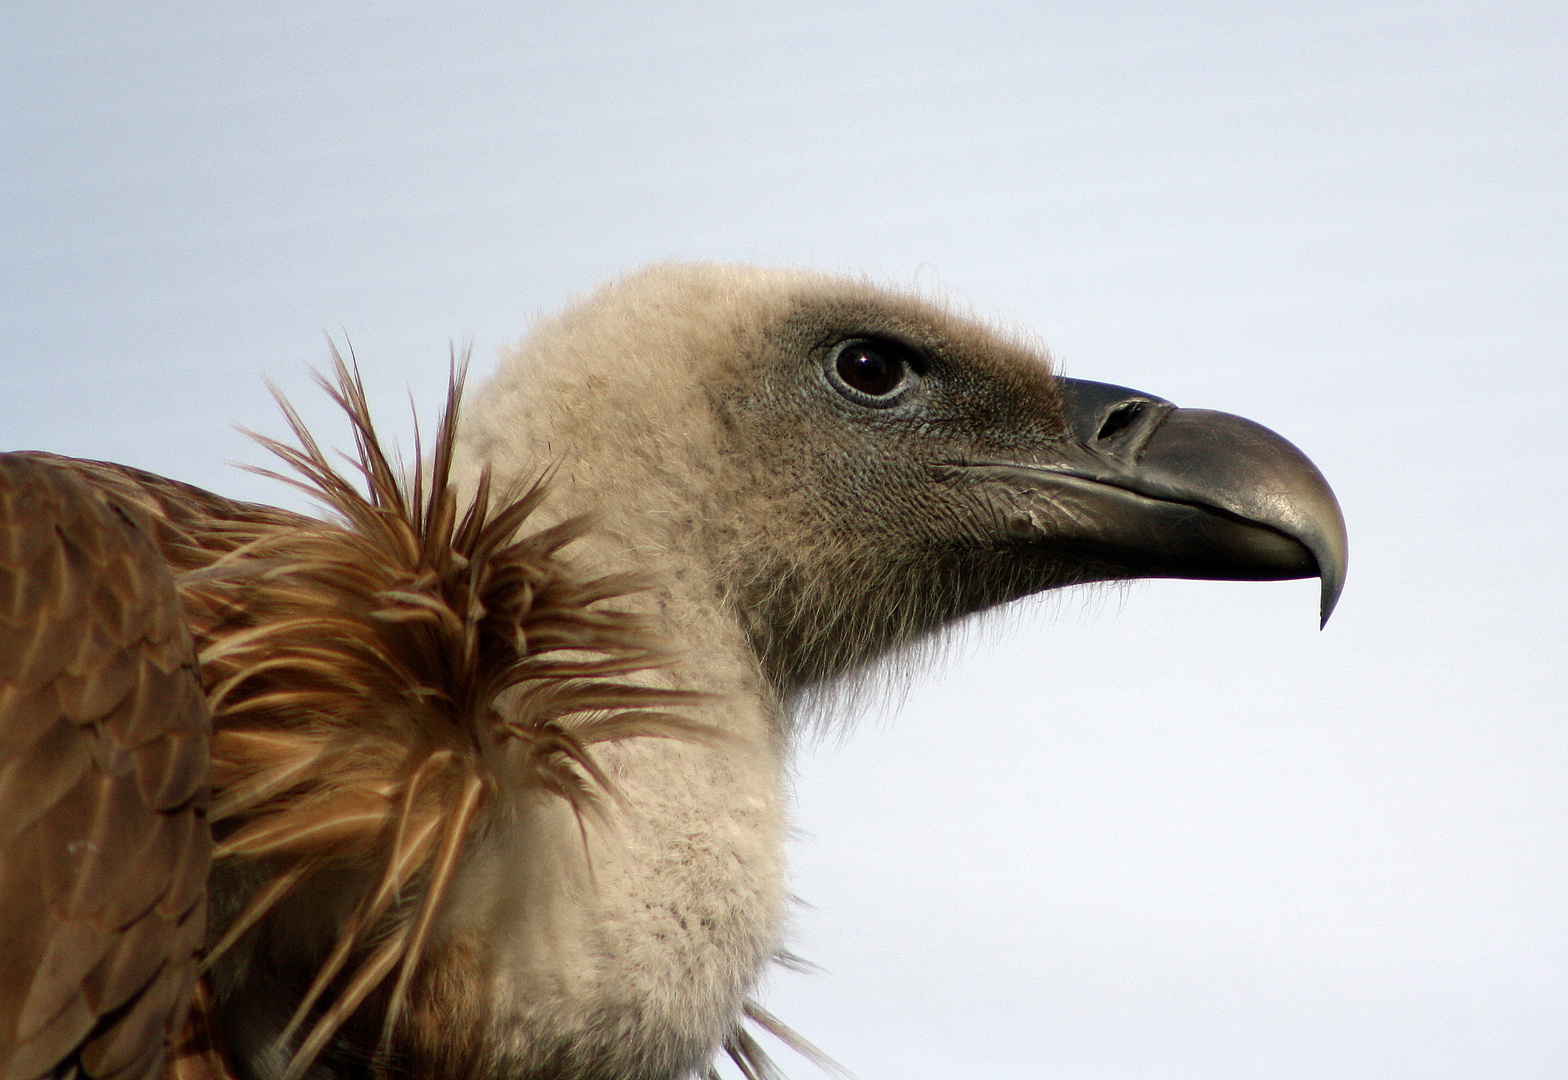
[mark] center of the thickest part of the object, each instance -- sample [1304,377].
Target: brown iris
[871,368]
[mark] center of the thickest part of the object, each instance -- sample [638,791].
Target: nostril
[1120,419]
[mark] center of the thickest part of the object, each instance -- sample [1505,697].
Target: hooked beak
[1144,489]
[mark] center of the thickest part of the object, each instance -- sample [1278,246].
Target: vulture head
[836,469]
[812,472]
[740,485]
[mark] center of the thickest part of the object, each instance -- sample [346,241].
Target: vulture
[481,773]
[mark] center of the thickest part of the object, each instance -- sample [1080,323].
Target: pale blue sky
[1168,833]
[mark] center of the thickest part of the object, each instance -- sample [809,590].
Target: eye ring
[872,372]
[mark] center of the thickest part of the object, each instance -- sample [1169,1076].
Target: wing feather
[104,847]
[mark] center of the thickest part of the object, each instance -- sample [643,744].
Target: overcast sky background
[1171,832]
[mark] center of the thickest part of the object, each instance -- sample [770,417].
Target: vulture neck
[680,904]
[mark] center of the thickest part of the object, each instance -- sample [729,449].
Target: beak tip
[1333,577]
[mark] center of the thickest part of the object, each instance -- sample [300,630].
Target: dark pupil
[870,372]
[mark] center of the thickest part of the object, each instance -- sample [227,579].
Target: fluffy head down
[697,408]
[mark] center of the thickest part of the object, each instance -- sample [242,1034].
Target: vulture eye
[873,372]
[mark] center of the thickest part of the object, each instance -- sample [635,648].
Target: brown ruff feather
[353,669]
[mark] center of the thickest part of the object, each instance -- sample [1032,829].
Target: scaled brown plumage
[104,845]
